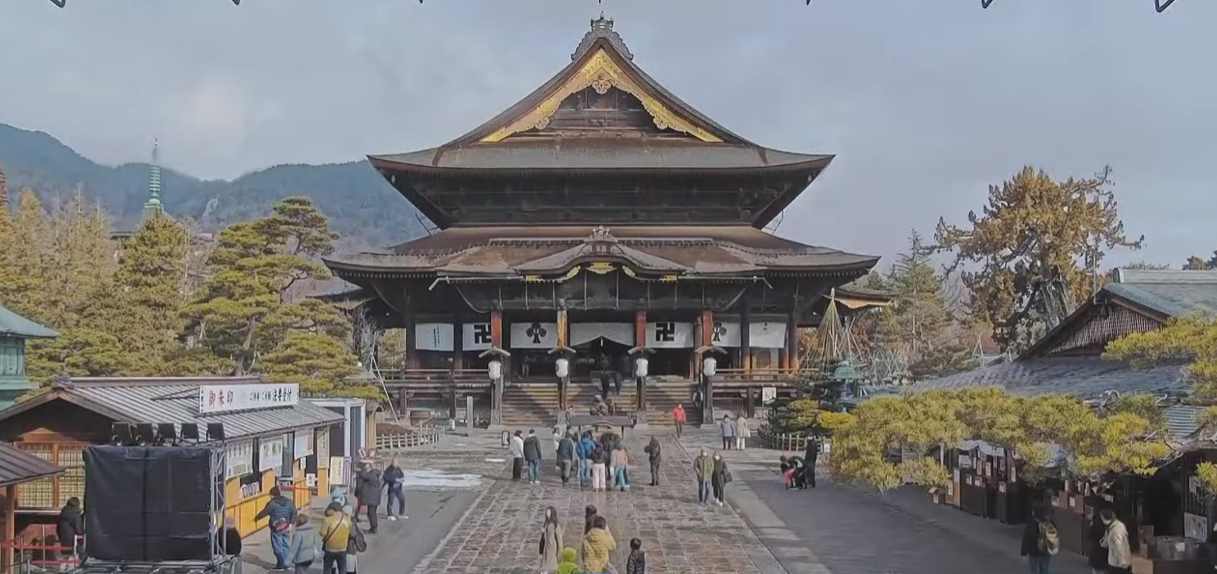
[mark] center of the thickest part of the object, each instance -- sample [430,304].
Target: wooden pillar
[750,397]
[458,345]
[496,341]
[745,338]
[10,526]
[403,404]
[562,324]
[640,340]
[707,339]
[791,352]
[411,350]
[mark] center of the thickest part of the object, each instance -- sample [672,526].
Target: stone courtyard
[500,533]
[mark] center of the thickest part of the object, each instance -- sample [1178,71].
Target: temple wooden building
[600,219]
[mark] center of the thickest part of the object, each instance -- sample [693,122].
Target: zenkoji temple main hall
[599,219]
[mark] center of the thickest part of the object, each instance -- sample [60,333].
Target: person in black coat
[70,527]
[1096,553]
[653,456]
[532,455]
[813,452]
[369,487]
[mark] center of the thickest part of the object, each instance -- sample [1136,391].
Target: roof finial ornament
[602,28]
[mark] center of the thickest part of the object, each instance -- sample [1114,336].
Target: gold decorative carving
[600,267]
[601,73]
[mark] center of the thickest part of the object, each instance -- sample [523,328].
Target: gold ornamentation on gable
[601,267]
[601,73]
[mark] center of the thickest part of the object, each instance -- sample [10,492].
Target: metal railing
[38,556]
[432,378]
[758,377]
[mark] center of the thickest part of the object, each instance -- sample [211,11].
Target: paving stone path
[499,535]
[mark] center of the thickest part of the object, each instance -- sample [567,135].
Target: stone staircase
[663,396]
[530,405]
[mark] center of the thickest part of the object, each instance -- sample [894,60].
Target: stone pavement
[501,531]
[838,529]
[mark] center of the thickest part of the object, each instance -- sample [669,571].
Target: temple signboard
[214,399]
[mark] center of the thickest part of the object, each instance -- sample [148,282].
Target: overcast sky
[924,102]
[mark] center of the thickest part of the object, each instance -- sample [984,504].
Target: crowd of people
[595,550]
[1110,551]
[602,463]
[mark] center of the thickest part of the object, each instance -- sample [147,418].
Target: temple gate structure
[598,220]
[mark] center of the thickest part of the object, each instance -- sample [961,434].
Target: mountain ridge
[361,206]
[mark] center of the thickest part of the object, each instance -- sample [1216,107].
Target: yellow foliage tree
[1045,431]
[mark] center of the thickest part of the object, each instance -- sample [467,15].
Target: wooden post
[640,340]
[745,338]
[411,350]
[792,338]
[707,339]
[403,404]
[562,336]
[750,396]
[458,345]
[496,341]
[10,526]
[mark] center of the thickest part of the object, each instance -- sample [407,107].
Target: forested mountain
[361,206]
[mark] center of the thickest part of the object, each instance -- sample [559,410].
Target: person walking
[678,416]
[566,457]
[1039,541]
[557,436]
[516,445]
[637,561]
[551,541]
[305,546]
[281,512]
[598,545]
[335,532]
[653,457]
[600,459]
[620,461]
[1115,540]
[719,477]
[393,478]
[568,562]
[589,517]
[813,453]
[703,469]
[586,448]
[356,543]
[369,479]
[742,432]
[727,429]
[1096,556]
[532,455]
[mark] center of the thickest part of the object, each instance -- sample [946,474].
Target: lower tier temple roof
[542,252]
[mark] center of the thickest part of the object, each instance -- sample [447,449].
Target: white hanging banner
[670,335]
[725,334]
[433,336]
[766,335]
[476,336]
[240,459]
[581,333]
[270,452]
[534,335]
[303,444]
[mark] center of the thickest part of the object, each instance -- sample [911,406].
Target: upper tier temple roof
[599,164]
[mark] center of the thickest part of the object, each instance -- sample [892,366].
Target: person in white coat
[516,444]
[742,432]
[1119,555]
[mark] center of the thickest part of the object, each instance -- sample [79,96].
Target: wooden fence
[415,436]
[789,442]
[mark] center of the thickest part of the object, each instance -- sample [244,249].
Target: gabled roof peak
[602,28]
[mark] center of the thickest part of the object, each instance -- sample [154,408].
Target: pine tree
[243,321]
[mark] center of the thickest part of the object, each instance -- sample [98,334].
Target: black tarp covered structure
[149,504]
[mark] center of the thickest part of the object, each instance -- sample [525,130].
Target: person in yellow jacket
[598,543]
[335,532]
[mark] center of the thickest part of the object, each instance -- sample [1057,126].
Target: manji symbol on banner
[670,335]
[475,336]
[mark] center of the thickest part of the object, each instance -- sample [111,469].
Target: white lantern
[640,367]
[562,367]
[495,370]
[709,366]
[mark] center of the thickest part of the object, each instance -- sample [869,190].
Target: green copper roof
[15,325]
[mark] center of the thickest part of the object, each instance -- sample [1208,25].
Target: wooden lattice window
[39,493]
[72,481]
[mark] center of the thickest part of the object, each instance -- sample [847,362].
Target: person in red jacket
[678,415]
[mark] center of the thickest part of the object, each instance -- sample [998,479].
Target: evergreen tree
[918,319]
[151,283]
[243,321]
